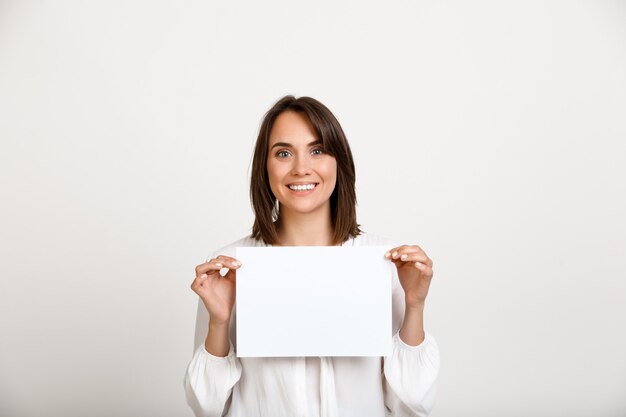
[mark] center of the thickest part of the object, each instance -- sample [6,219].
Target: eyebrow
[288,145]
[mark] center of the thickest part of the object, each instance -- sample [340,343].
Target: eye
[282,154]
[317,151]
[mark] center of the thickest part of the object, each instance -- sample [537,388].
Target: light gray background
[490,133]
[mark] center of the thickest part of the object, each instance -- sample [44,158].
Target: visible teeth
[302,187]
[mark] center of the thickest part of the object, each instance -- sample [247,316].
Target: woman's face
[301,175]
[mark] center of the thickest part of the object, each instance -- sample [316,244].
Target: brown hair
[343,198]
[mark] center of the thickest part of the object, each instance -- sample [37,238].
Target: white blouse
[402,384]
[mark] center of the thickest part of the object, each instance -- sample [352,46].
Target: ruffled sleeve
[209,381]
[410,376]
[410,372]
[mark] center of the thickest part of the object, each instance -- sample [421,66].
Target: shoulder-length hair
[343,197]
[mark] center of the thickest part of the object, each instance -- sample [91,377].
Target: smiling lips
[301,188]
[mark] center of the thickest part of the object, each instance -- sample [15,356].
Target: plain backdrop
[490,133]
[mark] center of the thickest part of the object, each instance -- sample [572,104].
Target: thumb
[397,262]
[231,275]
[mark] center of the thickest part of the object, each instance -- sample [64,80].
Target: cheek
[329,170]
[274,175]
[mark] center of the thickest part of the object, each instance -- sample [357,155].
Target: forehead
[292,127]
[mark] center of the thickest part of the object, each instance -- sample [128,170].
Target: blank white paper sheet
[313,301]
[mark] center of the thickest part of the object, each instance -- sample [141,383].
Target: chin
[303,208]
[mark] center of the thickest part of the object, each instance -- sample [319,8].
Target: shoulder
[229,250]
[371,239]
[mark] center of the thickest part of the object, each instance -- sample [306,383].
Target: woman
[303,194]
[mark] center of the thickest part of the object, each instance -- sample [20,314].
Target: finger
[208,267]
[228,261]
[391,252]
[198,281]
[219,263]
[394,253]
[397,253]
[414,257]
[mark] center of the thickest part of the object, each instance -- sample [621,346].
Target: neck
[305,229]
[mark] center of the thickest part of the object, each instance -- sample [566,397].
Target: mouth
[303,188]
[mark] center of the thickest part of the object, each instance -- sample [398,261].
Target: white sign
[313,301]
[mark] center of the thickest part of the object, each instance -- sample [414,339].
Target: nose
[301,166]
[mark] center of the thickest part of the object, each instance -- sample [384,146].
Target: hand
[415,271]
[217,292]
